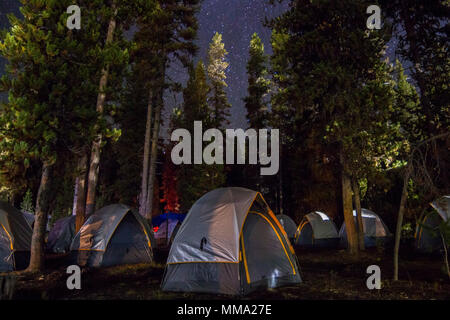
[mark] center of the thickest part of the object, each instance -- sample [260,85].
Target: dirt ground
[326,274]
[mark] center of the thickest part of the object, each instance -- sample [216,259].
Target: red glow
[169,186]
[155,229]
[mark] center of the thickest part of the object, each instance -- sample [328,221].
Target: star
[237,20]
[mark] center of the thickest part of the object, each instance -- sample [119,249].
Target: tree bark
[40,223]
[357,193]
[447,266]
[404,198]
[280,180]
[154,156]
[352,236]
[96,144]
[398,230]
[146,161]
[80,201]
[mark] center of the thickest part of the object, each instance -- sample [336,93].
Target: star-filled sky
[236,20]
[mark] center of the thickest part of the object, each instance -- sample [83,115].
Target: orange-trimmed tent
[230,243]
[317,230]
[288,224]
[15,239]
[114,235]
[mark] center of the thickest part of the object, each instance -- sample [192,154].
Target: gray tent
[427,233]
[442,206]
[29,217]
[15,239]
[288,224]
[230,243]
[61,235]
[375,231]
[317,230]
[114,235]
[174,232]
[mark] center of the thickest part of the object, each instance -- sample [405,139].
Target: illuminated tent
[15,239]
[317,230]
[375,231]
[61,235]
[230,243]
[114,235]
[427,233]
[164,226]
[288,224]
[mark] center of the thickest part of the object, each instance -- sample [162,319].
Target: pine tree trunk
[80,204]
[96,144]
[357,192]
[154,148]
[352,236]
[153,158]
[12,199]
[40,223]
[146,161]
[281,180]
[401,210]
[447,265]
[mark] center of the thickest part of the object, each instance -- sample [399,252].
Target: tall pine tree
[217,66]
[335,87]
[196,179]
[257,100]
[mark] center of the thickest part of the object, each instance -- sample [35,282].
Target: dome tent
[427,233]
[174,233]
[29,217]
[288,224]
[61,235]
[15,239]
[442,206]
[164,226]
[375,231]
[113,235]
[230,243]
[317,230]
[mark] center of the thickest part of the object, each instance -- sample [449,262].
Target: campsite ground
[327,274]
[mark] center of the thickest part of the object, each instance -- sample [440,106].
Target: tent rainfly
[61,235]
[317,230]
[427,232]
[375,231]
[114,235]
[288,224]
[230,243]
[15,239]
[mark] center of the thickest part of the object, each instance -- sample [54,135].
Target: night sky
[236,20]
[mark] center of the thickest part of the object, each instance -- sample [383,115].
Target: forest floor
[326,274]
